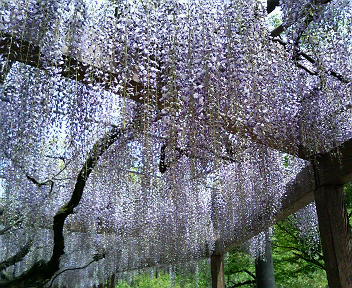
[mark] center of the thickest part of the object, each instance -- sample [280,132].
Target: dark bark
[96,258]
[299,254]
[271,5]
[112,283]
[17,257]
[277,31]
[9,227]
[162,164]
[309,260]
[335,233]
[247,272]
[43,271]
[217,271]
[247,282]
[310,59]
[308,19]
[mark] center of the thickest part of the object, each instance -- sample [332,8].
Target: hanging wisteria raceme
[307,224]
[149,133]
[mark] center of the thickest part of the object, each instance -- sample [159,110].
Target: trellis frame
[322,181]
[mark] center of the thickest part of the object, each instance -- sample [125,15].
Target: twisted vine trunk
[42,271]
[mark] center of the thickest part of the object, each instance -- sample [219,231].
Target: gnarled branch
[17,257]
[41,271]
[96,258]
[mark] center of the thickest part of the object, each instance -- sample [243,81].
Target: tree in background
[297,253]
[297,257]
[239,269]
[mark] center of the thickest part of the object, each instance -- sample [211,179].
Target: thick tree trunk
[217,271]
[264,268]
[335,233]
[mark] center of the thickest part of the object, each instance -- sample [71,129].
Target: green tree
[298,260]
[239,269]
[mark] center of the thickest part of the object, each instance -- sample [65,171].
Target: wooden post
[264,268]
[217,271]
[335,234]
[112,283]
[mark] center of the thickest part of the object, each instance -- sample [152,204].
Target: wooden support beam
[217,271]
[332,171]
[112,281]
[323,181]
[335,234]
[332,168]
[299,193]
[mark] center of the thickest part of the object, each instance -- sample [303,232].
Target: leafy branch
[248,282]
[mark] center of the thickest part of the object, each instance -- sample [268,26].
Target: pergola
[322,167]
